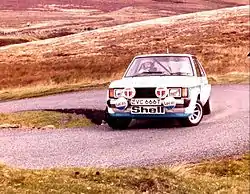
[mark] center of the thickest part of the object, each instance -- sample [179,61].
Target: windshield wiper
[180,73]
[148,73]
[152,72]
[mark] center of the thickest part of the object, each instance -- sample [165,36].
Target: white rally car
[159,86]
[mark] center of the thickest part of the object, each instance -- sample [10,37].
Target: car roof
[165,55]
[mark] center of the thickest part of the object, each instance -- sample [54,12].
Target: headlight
[178,92]
[175,92]
[115,93]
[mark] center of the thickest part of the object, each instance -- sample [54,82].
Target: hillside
[36,19]
[219,38]
[111,5]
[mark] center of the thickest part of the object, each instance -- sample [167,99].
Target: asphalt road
[224,132]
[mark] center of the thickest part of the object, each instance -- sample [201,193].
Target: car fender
[193,95]
[205,93]
[107,94]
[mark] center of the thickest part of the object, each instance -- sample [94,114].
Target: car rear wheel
[196,117]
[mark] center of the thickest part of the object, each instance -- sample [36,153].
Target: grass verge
[40,119]
[230,78]
[42,90]
[217,176]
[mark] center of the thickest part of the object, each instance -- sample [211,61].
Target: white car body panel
[155,81]
[198,86]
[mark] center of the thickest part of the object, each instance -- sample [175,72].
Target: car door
[204,86]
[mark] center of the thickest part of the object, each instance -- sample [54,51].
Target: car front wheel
[118,123]
[196,117]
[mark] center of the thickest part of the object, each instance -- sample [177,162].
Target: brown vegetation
[38,19]
[43,24]
[12,40]
[111,5]
[218,38]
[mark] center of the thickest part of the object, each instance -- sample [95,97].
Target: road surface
[224,132]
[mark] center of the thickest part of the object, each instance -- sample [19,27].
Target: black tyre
[196,117]
[207,108]
[118,123]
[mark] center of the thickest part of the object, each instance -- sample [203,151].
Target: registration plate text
[144,102]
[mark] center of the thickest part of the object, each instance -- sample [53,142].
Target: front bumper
[174,113]
[147,116]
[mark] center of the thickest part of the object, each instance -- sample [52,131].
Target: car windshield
[160,65]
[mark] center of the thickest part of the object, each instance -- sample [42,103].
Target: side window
[197,67]
[202,70]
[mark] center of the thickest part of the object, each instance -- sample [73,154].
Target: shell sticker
[121,103]
[169,103]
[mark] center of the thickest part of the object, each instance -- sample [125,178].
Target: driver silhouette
[147,66]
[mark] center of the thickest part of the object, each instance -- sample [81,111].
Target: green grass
[217,176]
[39,119]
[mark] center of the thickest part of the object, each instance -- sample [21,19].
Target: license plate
[143,102]
[147,110]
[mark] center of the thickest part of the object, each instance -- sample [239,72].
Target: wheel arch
[199,96]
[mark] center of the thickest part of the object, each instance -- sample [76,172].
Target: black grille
[145,93]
